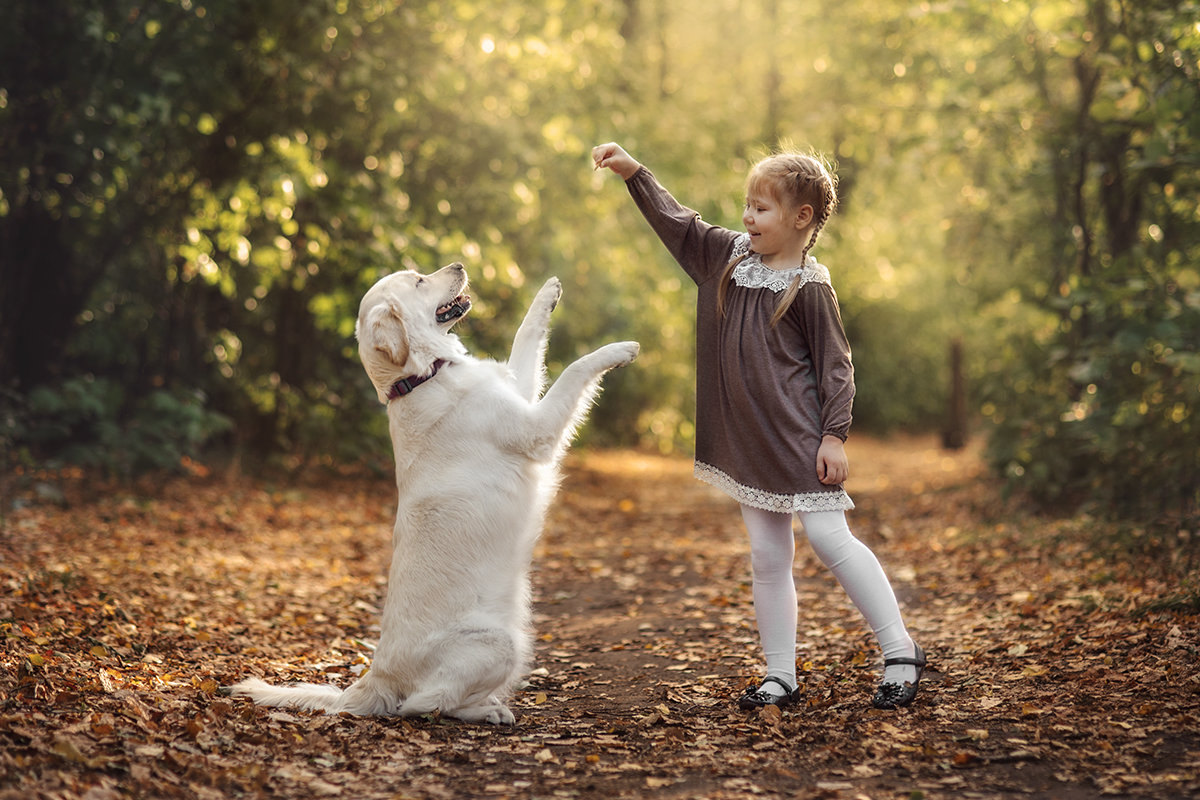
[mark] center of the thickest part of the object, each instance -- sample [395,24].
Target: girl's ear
[804,216]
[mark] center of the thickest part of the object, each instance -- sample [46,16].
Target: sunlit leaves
[1100,397]
[255,152]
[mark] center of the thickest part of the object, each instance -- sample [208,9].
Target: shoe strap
[787,689]
[913,662]
[918,660]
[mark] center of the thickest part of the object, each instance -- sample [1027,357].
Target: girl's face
[775,228]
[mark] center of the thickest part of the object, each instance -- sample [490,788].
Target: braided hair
[793,179]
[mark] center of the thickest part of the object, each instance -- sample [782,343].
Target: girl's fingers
[603,152]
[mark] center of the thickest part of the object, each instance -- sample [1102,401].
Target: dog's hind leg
[493,712]
[475,667]
[490,709]
[527,360]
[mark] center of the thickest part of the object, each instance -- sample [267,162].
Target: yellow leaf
[98,651]
[36,659]
[539,698]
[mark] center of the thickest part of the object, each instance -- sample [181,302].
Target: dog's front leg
[566,403]
[527,360]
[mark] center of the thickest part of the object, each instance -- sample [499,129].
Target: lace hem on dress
[752,273]
[804,502]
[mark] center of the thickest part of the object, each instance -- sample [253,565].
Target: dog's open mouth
[454,309]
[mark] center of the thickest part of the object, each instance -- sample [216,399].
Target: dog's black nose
[456,265]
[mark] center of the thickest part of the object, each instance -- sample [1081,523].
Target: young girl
[774,386]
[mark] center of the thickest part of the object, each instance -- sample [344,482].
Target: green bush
[99,423]
[1102,409]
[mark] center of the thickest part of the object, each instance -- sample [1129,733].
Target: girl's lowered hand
[613,156]
[832,465]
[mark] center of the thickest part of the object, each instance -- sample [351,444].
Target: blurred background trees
[194,195]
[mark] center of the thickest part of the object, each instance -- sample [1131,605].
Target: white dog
[476,446]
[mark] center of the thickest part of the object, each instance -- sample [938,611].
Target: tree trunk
[954,436]
[42,291]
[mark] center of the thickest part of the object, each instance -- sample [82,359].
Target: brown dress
[764,396]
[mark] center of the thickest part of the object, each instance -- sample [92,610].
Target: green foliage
[97,423]
[192,204]
[1111,419]
[901,387]
[1099,406]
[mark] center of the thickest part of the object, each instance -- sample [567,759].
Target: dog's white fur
[476,451]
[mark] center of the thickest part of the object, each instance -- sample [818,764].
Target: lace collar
[752,273]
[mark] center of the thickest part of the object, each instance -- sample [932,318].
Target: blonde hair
[794,179]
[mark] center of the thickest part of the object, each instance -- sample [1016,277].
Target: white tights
[772,549]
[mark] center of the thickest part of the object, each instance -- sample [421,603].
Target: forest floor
[1064,654]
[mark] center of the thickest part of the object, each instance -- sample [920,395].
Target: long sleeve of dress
[700,248]
[821,321]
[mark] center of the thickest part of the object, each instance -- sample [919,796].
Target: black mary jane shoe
[757,698]
[897,695]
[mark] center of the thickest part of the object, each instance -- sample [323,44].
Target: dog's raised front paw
[624,352]
[549,294]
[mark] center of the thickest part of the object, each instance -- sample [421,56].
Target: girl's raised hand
[613,156]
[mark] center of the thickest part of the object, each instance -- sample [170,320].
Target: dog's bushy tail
[304,696]
[363,698]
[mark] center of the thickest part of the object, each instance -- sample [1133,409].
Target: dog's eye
[420,281]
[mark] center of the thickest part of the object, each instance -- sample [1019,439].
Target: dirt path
[1061,669]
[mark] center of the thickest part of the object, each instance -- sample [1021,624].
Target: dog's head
[404,324]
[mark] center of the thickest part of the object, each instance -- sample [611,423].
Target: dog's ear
[385,333]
